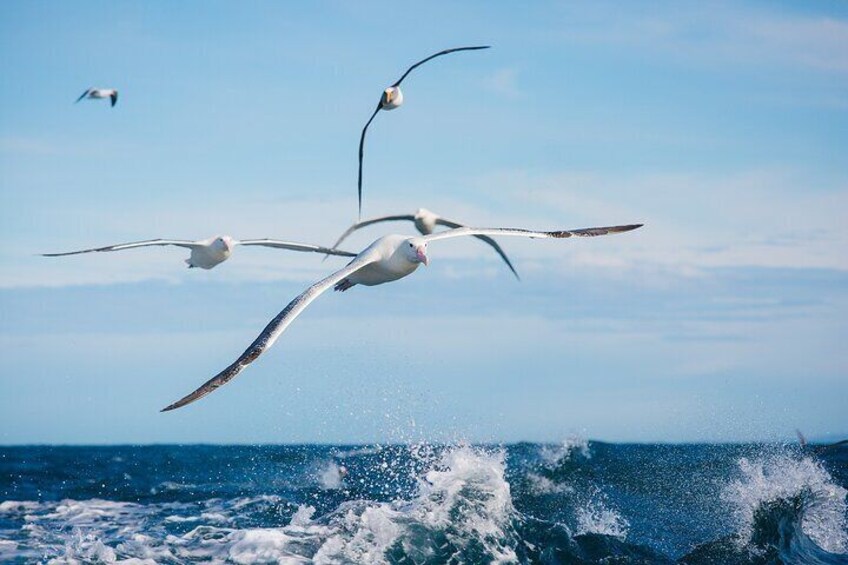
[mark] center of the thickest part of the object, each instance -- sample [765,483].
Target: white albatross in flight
[425,222]
[208,253]
[392,98]
[387,259]
[98,93]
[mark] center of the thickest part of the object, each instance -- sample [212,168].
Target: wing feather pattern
[272,331]
[121,246]
[292,246]
[518,232]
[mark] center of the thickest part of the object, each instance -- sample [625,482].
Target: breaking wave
[573,502]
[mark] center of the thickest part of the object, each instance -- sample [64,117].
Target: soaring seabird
[207,253]
[425,222]
[97,93]
[392,98]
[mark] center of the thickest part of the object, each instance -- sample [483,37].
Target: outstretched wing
[279,244]
[361,153]
[518,232]
[364,223]
[433,56]
[272,331]
[485,238]
[114,97]
[84,94]
[120,246]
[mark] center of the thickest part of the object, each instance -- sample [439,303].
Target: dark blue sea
[573,502]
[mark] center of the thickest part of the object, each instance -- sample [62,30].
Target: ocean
[571,502]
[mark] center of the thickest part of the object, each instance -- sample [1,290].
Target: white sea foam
[555,455]
[331,476]
[781,477]
[462,499]
[540,484]
[596,518]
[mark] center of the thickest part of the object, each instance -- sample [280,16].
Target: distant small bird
[392,98]
[425,222]
[387,259]
[208,253]
[97,93]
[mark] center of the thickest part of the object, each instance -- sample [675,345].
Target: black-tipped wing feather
[83,95]
[518,232]
[269,335]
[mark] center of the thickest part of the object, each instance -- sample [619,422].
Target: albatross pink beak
[422,256]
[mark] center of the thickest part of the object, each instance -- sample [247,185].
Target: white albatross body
[211,252]
[387,259]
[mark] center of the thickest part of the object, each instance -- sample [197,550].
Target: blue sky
[723,127]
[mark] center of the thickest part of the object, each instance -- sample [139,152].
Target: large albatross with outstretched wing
[387,259]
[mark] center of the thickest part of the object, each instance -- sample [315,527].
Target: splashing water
[781,478]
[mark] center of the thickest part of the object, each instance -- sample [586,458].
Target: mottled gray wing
[433,56]
[84,94]
[120,246]
[279,244]
[272,331]
[518,232]
[485,238]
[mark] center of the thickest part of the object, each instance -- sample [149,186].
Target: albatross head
[392,98]
[223,243]
[415,251]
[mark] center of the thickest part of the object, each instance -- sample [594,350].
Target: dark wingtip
[173,406]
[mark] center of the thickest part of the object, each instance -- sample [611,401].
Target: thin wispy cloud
[716,33]
[505,83]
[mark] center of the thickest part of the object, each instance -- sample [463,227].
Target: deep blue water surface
[574,502]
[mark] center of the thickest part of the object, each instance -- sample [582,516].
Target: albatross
[97,93]
[387,259]
[208,253]
[392,98]
[425,222]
